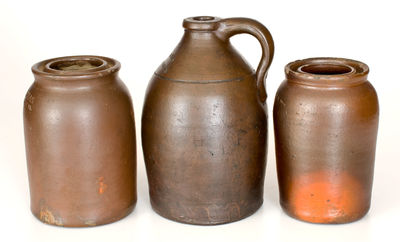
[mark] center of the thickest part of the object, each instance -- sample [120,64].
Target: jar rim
[327,71]
[79,67]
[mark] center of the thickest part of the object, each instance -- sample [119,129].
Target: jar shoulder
[361,99]
[97,100]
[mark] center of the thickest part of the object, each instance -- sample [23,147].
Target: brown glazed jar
[80,142]
[326,121]
[204,125]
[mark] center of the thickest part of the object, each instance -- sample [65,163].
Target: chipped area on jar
[87,221]
[281,100]
[90,222]
[29,100]
[48,216]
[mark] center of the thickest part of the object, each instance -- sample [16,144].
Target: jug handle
[232,26]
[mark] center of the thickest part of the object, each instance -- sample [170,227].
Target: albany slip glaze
[80,142]
[326,121]
[204,125]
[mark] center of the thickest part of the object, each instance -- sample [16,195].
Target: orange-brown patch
[102,185]
[324,197]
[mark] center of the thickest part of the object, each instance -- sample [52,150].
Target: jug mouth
[201,23]
[327,71]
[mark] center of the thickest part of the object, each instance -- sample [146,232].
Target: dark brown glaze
[326,121]
[80,142]
[204,125]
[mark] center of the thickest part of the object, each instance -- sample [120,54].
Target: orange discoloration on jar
[102,185]
[325,197]
[326,116]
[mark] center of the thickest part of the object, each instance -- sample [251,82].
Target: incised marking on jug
[212,213]
[199,81]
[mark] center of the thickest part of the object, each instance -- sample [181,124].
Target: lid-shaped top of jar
[327,71]
[203,55]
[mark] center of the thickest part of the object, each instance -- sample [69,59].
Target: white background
[141,34]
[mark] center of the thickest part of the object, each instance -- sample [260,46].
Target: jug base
[207,221]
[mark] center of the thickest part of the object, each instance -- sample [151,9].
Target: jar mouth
[201,23]
[76,67]
[327,71]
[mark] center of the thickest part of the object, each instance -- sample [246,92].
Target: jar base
[88,223]
[323,220]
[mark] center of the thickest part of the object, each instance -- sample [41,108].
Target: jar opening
[69,68]
[75,65]
[326,69]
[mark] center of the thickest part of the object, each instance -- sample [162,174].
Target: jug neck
[201,28]
[203,56]
[201,23]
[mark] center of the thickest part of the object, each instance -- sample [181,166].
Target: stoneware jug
[326,121]
[80,142]
[204,125]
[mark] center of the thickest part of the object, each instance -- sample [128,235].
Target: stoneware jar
[80,142]
[326,120]
[204,125]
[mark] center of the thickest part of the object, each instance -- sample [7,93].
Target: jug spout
[201,23]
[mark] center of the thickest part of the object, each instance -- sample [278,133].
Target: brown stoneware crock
[80,142]
[204,125]
[326,121]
